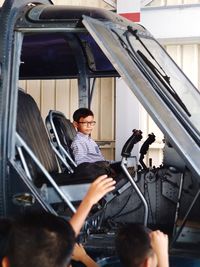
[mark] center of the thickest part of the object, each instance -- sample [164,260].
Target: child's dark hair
[82,113]
[133,244]
[40,239]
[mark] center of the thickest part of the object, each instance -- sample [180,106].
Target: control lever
[126,152]
[133,139]
[145,147]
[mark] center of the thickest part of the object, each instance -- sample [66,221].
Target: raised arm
[79,254]
[100,187]
[159,243]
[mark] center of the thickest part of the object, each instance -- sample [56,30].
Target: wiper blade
[134,33]
[164,80]
[124,45]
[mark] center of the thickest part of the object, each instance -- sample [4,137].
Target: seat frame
[60,151]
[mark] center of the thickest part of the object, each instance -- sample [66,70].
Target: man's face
[85,125]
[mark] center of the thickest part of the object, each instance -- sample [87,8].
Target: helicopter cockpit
[64,42]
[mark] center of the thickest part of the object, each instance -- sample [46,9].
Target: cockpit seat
[31,129]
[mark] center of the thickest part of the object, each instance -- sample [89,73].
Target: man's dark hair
[5,226]
[82,113]
[40,239]
[133,244]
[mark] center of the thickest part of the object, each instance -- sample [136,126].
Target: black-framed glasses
[87,123]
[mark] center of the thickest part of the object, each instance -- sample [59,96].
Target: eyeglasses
[87,123]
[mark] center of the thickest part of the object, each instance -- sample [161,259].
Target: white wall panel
[63,96]
[173,24]
[175,51]
[34,88]
[190,62]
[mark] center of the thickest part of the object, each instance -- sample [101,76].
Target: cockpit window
[55,55]
[45,55]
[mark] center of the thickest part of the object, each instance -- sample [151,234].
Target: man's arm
[79,254]
[100,187]
[159,243]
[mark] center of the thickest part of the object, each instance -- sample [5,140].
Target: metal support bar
[91,90]
[62,159]
[21,155]
[178,202]
[83,83]
[48,176]
[60,145]
[185,218]
[146,211]
[32,188]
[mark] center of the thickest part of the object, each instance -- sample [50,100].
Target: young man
[138,247]
[84,148]
[46,240]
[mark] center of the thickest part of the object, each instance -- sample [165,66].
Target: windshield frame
[170,94]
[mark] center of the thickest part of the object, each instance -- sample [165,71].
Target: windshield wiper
[164,81]
[134,32]
[125,46]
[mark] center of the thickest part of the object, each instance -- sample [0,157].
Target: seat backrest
[61,133]
[65,130]
[31,128]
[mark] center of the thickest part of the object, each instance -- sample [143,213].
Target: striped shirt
[85,149]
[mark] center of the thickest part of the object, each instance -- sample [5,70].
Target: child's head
[39,239]
[84,120]
[133,246]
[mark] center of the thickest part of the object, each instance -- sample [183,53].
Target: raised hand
[159,243]
[101,186]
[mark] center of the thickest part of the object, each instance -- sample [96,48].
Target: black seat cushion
[84,173]
[65,131]
[31,128]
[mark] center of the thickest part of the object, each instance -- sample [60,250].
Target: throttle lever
[133,139]
[144,148]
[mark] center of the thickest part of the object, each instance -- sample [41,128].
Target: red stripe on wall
[132,16]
